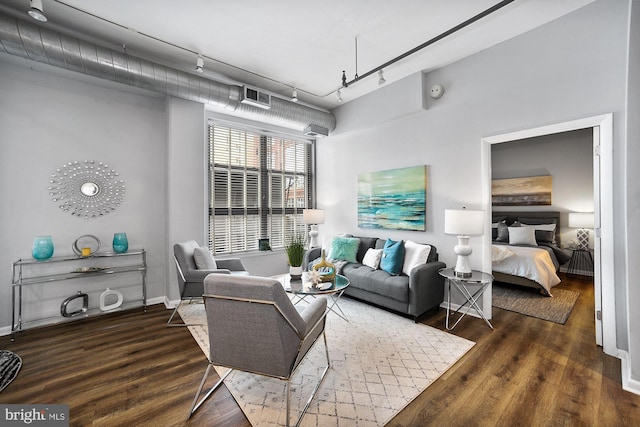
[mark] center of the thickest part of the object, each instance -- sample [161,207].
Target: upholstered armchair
[254,327]
[191,278]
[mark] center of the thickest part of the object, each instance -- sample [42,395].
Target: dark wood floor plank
[128,368]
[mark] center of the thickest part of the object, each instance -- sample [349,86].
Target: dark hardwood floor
[129,369]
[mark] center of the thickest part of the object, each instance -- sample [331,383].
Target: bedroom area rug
[380,362]
[530,303]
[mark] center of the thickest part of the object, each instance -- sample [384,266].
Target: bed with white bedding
[525,249]
[533,263]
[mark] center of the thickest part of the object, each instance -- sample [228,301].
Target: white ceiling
[281,44]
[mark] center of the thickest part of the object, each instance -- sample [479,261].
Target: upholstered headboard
[550,216]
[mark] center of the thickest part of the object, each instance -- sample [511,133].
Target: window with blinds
[259,184]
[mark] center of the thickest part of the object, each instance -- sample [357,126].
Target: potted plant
[294,246]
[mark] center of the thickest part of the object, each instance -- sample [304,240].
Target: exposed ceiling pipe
[21,38]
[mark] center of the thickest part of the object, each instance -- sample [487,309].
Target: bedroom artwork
[530,191]
[393,199]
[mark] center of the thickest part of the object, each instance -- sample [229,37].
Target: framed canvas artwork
[394,199]
[530,191]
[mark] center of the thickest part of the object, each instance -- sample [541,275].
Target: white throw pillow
[204,260]
[372,258]
[522,236]
[414,254]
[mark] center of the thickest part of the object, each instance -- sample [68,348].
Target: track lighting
[37,11]
[381,79]
[339,96]
[200,65]
[294,95]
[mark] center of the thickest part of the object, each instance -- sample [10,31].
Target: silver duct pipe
[40,44]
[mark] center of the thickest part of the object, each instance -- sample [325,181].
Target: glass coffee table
[302,288]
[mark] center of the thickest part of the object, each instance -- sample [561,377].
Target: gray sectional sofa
[412,295]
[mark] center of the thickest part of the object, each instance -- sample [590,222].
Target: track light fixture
[294,95]
[429,42]
[339,96]
[37,11]
[381,79]
[200,65]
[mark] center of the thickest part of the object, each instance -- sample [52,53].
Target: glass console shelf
[29,272]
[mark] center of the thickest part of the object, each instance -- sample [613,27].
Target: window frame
[273,222]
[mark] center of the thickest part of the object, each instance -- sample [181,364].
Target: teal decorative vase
[42,248]
[120,243]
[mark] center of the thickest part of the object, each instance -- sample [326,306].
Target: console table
[31,272]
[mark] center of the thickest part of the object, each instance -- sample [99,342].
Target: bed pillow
[503,232]
[344,248]
[204,260]
[372,258]
[414,254]
[545,232]
[522,236]
[392,257]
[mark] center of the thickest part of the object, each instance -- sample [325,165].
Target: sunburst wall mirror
[86,189]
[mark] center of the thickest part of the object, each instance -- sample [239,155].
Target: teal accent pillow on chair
[344,248]
[392,257]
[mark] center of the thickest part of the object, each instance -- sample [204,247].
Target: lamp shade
[464,222]
[581,219]
[313,216]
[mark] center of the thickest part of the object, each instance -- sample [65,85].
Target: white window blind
[259,184]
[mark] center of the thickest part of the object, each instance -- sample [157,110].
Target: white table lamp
[582,221]
[313,217]
[463,223]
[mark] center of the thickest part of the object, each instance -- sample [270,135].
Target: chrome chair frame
[196,404]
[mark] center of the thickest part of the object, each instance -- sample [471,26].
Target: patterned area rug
[10,364]
[530,303]
[379,363]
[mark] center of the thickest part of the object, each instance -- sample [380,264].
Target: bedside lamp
[582,221]
[463,223]
[313,217]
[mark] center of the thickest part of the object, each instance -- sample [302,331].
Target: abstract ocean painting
[395,199]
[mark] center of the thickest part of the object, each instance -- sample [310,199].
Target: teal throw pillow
[344,248]
[392,257]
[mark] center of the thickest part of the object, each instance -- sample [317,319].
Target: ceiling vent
[255,97]
[315,130]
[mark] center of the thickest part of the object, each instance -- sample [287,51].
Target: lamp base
[313,236]
[463,250]
[463,274]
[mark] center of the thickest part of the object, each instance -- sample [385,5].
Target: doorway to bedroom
[600,128]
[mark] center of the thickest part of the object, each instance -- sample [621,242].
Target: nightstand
[478,281]
[581,263]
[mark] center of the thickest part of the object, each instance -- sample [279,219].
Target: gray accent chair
[254,327]
[190,279]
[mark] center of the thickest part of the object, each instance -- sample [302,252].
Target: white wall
[46,121]
[571,68]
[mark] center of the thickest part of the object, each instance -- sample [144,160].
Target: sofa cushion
[377,282]
[344,248]
[392,257]
[414,254]
[203,259]
[372,258]
[365,244]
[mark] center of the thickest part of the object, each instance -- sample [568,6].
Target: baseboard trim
[628,383]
